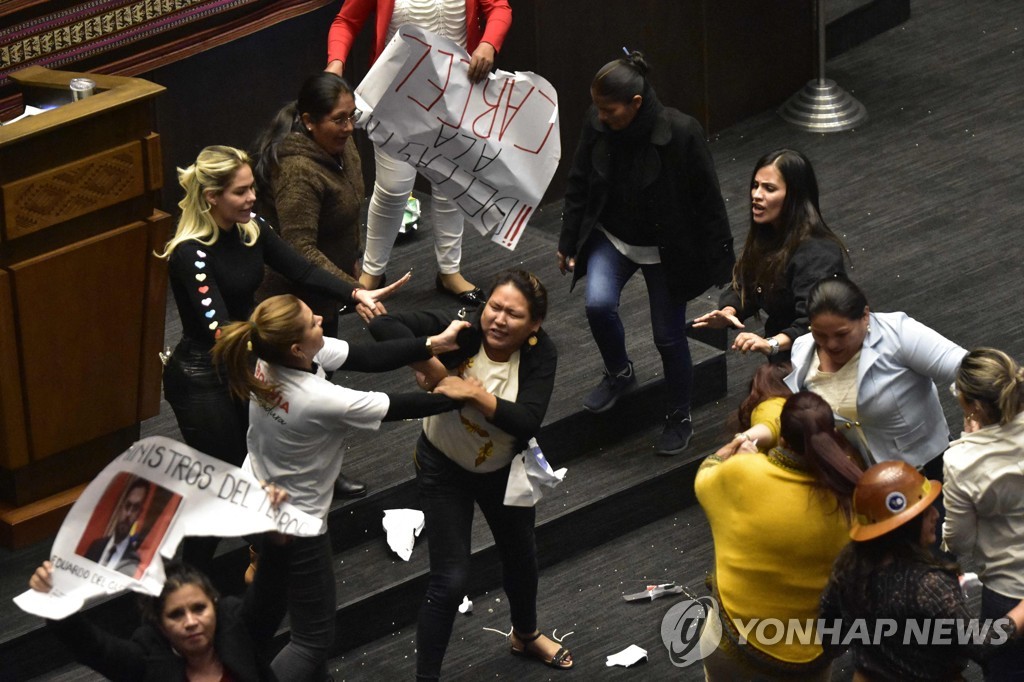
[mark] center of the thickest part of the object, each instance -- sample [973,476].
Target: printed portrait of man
[119,549]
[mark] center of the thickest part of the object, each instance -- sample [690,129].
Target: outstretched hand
[718,319]
[368,301]
[747,342]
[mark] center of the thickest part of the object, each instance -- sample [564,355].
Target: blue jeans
[311,611]
[447,493]
[1008,664]
[607,274]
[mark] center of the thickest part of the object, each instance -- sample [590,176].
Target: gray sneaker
[611,388]
[675,437]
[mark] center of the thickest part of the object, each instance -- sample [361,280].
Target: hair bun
[637,59]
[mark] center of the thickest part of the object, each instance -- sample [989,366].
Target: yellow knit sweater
[775,540]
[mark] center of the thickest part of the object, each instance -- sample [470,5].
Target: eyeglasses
[953,390]
[352,118]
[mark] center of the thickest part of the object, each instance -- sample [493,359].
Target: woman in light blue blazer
[878,372]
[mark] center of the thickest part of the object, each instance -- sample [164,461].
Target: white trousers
[391,189]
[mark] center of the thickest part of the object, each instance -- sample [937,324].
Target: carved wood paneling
[72,190]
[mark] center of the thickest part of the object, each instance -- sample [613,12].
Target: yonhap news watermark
[683,631]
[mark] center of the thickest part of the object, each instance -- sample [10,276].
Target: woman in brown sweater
[310,186]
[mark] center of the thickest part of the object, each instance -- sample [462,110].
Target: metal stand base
[823,107]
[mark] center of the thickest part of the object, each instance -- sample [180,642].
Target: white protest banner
[490,147]
[138,509]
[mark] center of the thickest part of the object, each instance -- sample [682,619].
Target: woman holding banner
[642,194]
[189,631]
[479,26]
[298,422]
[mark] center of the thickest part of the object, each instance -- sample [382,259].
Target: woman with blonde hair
[216,261]
[984,488]
[296,439]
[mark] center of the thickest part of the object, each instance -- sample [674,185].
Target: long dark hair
[768,249]
[808,427]
[317,97]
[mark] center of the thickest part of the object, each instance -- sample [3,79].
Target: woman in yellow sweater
[778,521]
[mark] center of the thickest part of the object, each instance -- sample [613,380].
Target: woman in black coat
[789,249]
[643,195]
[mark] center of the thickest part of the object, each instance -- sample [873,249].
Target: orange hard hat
[888,495]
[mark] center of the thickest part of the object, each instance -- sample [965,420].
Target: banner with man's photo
[491,147]
[136,512]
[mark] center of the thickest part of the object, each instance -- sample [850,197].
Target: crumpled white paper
[466,606]
[627,657]
[403,526]
[529,475]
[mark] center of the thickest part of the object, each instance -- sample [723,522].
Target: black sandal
[557,661]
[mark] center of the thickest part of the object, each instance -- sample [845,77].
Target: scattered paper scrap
[631,655]
[466,606]
[654,591]
[402,527]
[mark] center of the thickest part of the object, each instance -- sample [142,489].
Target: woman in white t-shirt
[297,424]
[504,371]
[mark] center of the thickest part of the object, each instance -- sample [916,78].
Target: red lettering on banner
[440,88]
[492,110]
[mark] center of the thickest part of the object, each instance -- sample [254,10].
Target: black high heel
[473,297]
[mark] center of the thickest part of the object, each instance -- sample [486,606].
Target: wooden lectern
[82,296]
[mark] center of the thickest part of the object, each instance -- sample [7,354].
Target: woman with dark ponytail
[984,489]
[310,186]
[643,195]
[298,424]
[778,521]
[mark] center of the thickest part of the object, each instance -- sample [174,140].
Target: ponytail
[994,380]
[622,79]
[274,326]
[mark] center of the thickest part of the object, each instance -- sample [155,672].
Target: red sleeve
[498,20]
[346,26]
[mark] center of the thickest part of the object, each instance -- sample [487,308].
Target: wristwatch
[430,348]
[773,345]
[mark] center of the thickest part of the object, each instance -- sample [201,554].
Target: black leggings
[210,420]
[447,493]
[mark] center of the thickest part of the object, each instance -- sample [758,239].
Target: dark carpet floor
[926,195]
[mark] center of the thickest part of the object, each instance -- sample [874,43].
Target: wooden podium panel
[74,393]
[82,296]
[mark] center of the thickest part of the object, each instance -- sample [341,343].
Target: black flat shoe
[473,297]
[346,487]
